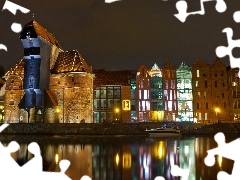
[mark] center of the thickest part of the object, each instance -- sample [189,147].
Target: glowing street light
[217,110]
[117,112]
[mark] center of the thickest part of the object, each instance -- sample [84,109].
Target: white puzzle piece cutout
[222,51]
[182,6]
[227,150]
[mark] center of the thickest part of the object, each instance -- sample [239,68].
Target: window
[199,116]
[215,83]
[222,95]
[96,93]
[197,73]
[166,84]
[205,95]
[199,94]
[206,105]
[205,83]
[223,84]
[197,105]
[103,92]
[173,84]
[143,105]
[205,116]
[197,85]
[145,94]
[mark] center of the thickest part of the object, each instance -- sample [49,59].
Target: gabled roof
[70,61]
[103,77]
[18,69]
[42,32]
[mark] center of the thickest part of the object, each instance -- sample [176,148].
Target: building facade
[48,84]
[112,96]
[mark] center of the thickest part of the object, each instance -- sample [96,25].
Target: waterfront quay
[105,129]
[74,129]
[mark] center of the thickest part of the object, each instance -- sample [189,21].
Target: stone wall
[73,129]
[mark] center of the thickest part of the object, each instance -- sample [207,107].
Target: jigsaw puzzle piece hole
[64,164]
[223,176]
[236,16]
[13,146]
[221,51]
[221,6]
[220,138]
[34,148]
[159,178]
[85,177]
[209,160]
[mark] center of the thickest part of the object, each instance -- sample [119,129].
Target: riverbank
[115,129]
[73,129]
[211,129]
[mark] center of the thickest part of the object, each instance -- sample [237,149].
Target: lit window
[199,94]
[197,85]
[145,94]
[197,73]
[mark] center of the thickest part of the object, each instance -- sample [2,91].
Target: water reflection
[136,160]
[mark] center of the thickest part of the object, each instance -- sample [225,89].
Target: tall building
[234,94]
[143,93]
[220,92]
[202,92]
[156,91]
[48,84]
[170,91]
[184,93]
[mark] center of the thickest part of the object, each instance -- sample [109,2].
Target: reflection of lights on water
[56,158]
[159,150]
[219,160]
[197,147]
[117,159]
[186,150]
[127,160]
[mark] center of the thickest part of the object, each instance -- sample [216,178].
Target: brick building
[66,82]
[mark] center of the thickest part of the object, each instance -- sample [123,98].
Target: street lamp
[117,111]
[217,110]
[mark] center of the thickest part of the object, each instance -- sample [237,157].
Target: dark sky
[124,34]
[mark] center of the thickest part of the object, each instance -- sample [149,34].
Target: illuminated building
[202,94]
[210,91]
[143,93]
[48,84]
[184,93]
[234,94]
[170,91]
[156,88]
[220,92]
[112,96]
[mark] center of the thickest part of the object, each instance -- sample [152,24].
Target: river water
[124,158]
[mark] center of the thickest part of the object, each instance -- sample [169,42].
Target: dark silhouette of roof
[103,77]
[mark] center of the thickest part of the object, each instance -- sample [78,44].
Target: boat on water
[167,130]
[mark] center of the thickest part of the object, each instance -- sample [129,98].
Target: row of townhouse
[202,93]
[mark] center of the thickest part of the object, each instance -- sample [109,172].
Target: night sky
[124,34]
